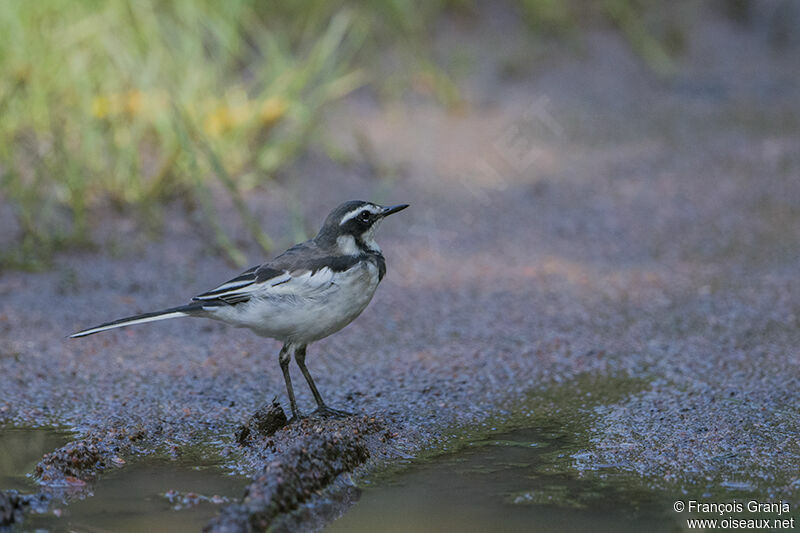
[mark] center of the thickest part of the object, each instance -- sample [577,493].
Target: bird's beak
[393,209]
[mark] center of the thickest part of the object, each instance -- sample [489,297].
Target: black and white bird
[310,291]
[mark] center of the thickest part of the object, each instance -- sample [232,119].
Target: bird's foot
[296,418]
[330,412]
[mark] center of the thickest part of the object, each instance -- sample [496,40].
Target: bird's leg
[285,358]
[322,409]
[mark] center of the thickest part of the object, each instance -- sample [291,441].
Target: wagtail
[310,291]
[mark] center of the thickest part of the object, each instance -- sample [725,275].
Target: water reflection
[20,451]
[523,480]
[147,494]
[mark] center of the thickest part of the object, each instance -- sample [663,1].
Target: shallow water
[20,450]
[147,494]
[135,499]
[521,480]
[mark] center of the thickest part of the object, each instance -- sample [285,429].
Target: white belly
[310,314]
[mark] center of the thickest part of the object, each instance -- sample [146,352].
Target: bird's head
[351,226]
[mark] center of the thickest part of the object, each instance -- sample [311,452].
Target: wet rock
[70,462]
[184,500]
[11,508]
[13,505]
[74,463]
[265,421]
[313,461]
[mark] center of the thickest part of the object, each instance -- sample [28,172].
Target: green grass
[131,103]
[136,102]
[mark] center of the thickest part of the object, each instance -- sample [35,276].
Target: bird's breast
[354,288]
[349,294]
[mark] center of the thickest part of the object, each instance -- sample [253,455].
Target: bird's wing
[301,271]
[242,287]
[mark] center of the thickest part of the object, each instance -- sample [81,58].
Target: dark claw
[326,411]
[296,418]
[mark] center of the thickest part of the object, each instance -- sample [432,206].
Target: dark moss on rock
[83,459]
[268,419]
[319,452]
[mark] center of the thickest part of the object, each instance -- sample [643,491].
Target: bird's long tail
[174,312]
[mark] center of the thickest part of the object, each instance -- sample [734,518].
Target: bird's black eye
[364,216]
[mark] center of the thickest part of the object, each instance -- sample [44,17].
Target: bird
[305,294]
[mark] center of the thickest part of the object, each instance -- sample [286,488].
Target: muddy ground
[578,216]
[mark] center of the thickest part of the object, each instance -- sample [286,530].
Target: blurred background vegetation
[134,103]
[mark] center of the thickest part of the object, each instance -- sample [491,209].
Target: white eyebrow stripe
[374,209]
